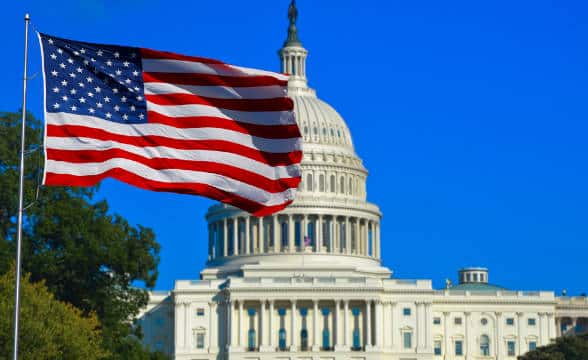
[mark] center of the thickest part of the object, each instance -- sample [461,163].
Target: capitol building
[308,283]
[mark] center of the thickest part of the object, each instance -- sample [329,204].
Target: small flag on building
[168,122]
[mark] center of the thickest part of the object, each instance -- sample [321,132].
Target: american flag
[168,122]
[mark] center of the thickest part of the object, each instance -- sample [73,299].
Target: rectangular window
[457,321]
[437,321]
[406,311]
[510,321]
[510,347]
[200,312]
[200,340]
[458,348]
[407,336]
[532,345]
[531,321]
[437,347]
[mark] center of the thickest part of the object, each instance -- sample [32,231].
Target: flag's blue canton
[104,81]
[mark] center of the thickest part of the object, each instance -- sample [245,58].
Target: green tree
[49,329]
[564,348]
[87,256]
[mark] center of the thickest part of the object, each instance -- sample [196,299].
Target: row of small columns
[372,337]
[362,239]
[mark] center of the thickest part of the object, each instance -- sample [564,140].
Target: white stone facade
[307,283]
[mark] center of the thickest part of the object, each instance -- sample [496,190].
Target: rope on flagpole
[20,192]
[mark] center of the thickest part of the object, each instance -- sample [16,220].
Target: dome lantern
[293,55]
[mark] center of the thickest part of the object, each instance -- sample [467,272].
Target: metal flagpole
[20,191]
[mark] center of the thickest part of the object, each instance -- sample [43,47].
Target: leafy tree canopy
[564,348]
[86,256]
[49,329]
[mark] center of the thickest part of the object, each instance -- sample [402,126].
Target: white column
[420,343]
[293,335]
[346,320]
[319,234]
[272,340]
[235,236]
[467,342]
[551,327]
[393,326]
[225,237]
[262,327]
[542,328]
[277,234]
[291,232]
[519,333]
[446,334]
[379,331]
[179,323]
[315,330]
[368,323]
[241,328]
[187,337]
[498,335]
[376,239]
[338,326]
[247,235]
[428,327]
[212,332]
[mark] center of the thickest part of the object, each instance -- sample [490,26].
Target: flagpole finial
[27,17]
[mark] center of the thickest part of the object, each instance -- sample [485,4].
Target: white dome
[319,123]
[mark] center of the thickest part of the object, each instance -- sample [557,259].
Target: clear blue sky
[472,118]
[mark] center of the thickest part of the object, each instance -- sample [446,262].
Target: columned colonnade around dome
[289,233]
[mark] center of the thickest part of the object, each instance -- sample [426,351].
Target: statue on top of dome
[292,31]
[292,12]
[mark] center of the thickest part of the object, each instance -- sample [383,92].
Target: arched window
[350,190]
[484,345]
[308,182]
[332,183]
[321,183]
[342,185]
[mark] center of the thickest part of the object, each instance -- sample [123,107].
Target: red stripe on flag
[212,80]
[275,104]
[156,54]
